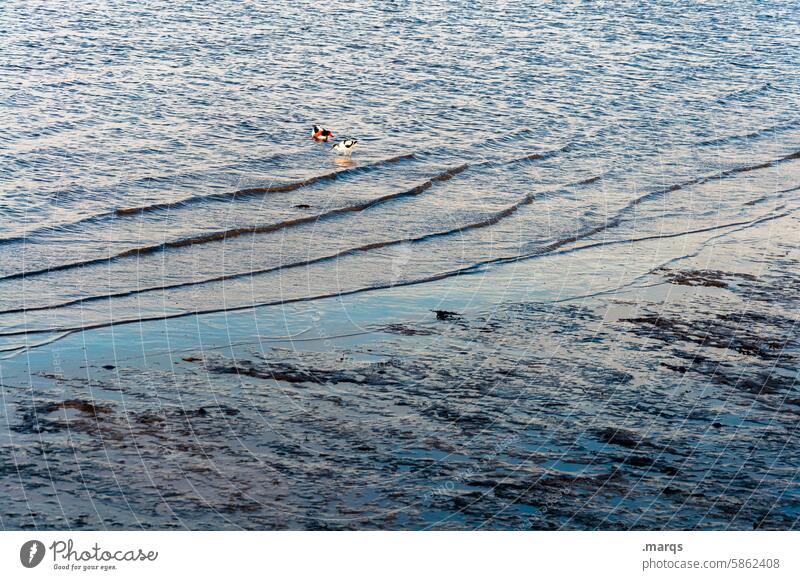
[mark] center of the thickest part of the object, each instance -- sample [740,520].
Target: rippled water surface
[157,163]
[156,157]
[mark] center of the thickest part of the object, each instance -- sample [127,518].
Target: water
[606,191]
[154,155]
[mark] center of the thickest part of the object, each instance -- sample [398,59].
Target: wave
[710,178]
[778,194]
[126,212]
[741,94]
[236,232]
[251,191]
[445,175]
[241,193]
[531,156]
[295,185]
[486,222]
[754,135]
[466,270]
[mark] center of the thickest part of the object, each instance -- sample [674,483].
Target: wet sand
[660,396]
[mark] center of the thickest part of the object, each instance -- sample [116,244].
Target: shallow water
[152,150]
[670,403]
[156,164]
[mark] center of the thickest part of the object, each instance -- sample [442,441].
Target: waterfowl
[321,134]
[344,147]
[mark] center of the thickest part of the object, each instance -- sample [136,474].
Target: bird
[344,147]
[321,134]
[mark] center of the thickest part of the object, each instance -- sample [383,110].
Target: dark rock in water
[296,374]
[277,372]
[45,417]
[446,314]
[203,412]
[707,278]
[618,437]
[730,332]
[677,368]
[762,382]
[697,278]
[407,330]
[656,321]
[303,206]
[76,404]
[150,418]
[109,367]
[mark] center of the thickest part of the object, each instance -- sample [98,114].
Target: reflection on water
[602,195]
[344,162]
[157,156]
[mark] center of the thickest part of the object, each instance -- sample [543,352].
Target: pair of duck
[322,135]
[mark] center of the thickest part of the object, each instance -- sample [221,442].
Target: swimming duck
[345,147]
[321,134]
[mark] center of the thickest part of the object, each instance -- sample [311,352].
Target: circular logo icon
[31,553]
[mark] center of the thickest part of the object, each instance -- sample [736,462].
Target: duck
[345,147]
[321,134]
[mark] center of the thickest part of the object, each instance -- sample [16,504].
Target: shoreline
[555,400]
